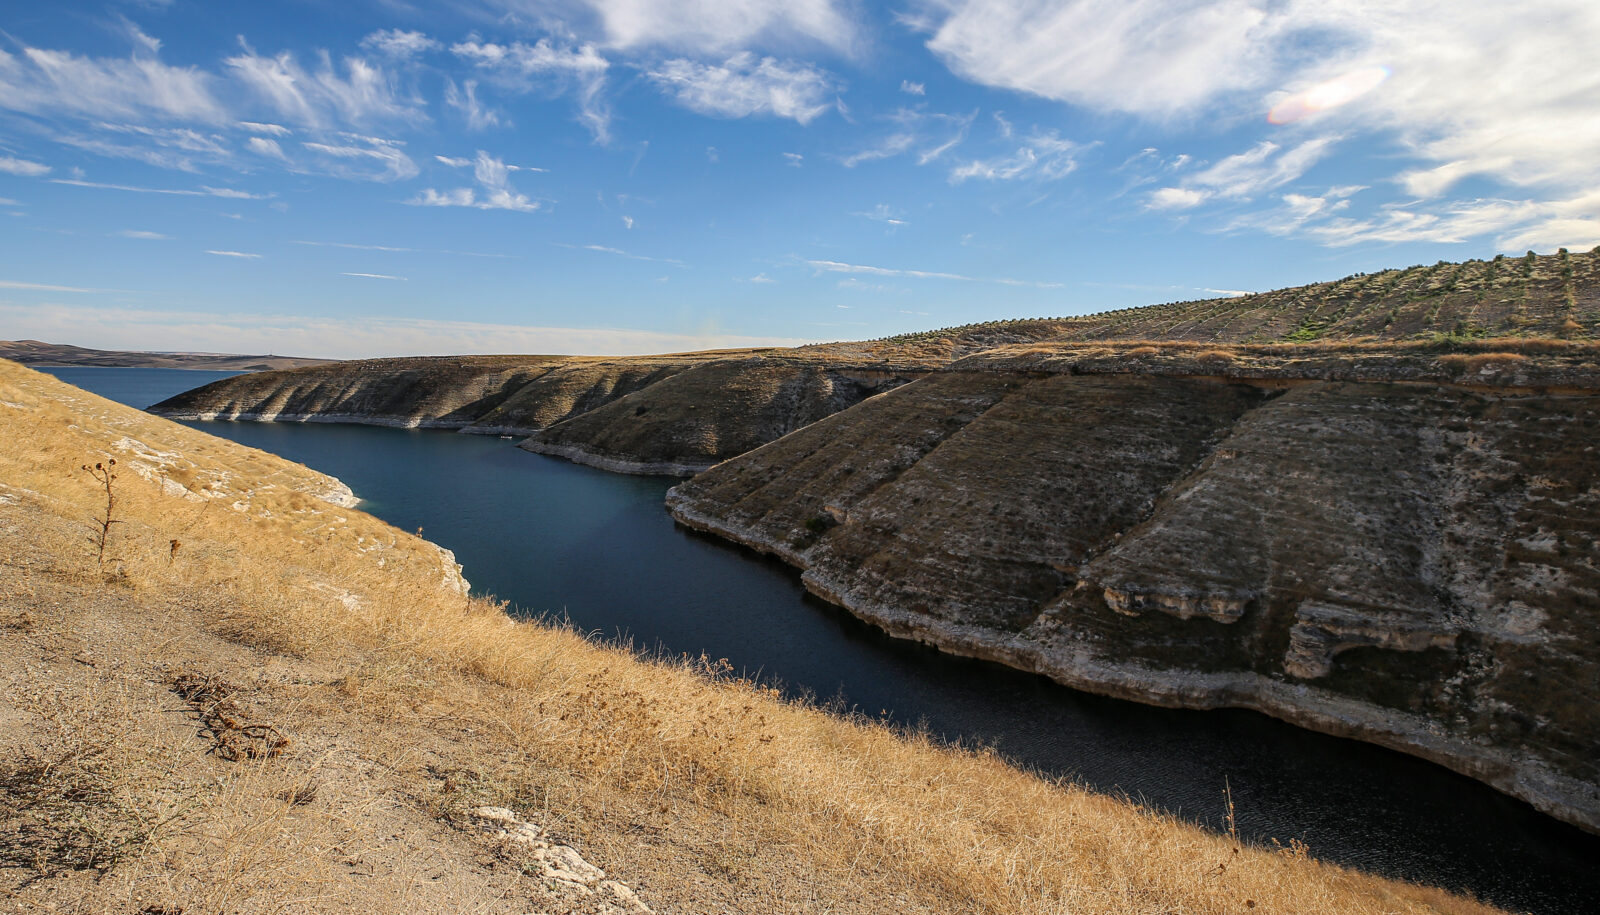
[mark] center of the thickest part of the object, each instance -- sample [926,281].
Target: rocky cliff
[1397,545]
[1370,507]
[647,414]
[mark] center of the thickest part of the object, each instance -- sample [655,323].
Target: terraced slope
[1397,545]
[1554,295]
[655,414]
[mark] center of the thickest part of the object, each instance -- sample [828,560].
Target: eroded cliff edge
[1397,546]
[675,414]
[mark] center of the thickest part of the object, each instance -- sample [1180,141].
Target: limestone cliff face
[711,412]
[444,392]
[1412,561]
[668,414]
[675,414]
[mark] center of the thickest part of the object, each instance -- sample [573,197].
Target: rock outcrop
[1412,558]
[674,414]
[1370,507]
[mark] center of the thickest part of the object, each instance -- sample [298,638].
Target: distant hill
[1531,296]
[35,352]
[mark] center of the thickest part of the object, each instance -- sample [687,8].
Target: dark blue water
[598,548]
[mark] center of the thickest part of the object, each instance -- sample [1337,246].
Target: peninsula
[34,352]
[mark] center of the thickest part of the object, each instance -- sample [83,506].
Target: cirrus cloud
[494,191]
[745,85]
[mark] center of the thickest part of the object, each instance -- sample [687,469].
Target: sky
[388,177]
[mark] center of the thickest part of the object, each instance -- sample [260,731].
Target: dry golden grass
[795,809]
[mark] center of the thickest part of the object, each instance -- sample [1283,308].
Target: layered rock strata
[1412,562]
[675,414]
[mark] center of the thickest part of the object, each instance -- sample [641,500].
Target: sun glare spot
[1326,95]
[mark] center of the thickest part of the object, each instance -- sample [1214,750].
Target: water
[599,548]
[135,387]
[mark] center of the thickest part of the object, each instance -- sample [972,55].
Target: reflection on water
[598,548]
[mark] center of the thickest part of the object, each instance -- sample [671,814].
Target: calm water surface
[598,548]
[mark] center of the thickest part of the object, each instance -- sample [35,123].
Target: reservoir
[599,550]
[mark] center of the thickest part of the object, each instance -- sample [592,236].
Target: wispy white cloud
[265,147]
[179,148]
[51,83]
[45,287]
[138,37]
[929,134]
[376,276]
[366,158]
[696,26]
[227,192]
[761,278]
[240,254]
[886,148]
[322,97]
[618,252]
[399,44]
[355,247]
[1044,156]
[1485,90]
[838,267]
[204,191]
[271,130]
[142,234]
[399,250]
[23,167]
[1176,198]
[464,98]
[745,85]
[794,159]
[347,338]
[627,221]
[1145,56]
[883,213]
[494,190]
[520,66]
[1264,167]
[1543,225]
[911,88]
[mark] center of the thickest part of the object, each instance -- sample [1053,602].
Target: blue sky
[380,177]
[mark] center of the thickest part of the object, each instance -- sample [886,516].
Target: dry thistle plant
[105,474]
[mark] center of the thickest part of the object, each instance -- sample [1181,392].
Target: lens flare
[1331,94]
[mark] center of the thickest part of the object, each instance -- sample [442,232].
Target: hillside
[33,352]
[678,413]
[264,701]
[1395,543]
[1533,296]
[683,413]
[1346,504]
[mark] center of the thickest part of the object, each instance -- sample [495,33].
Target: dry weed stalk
[105,473]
